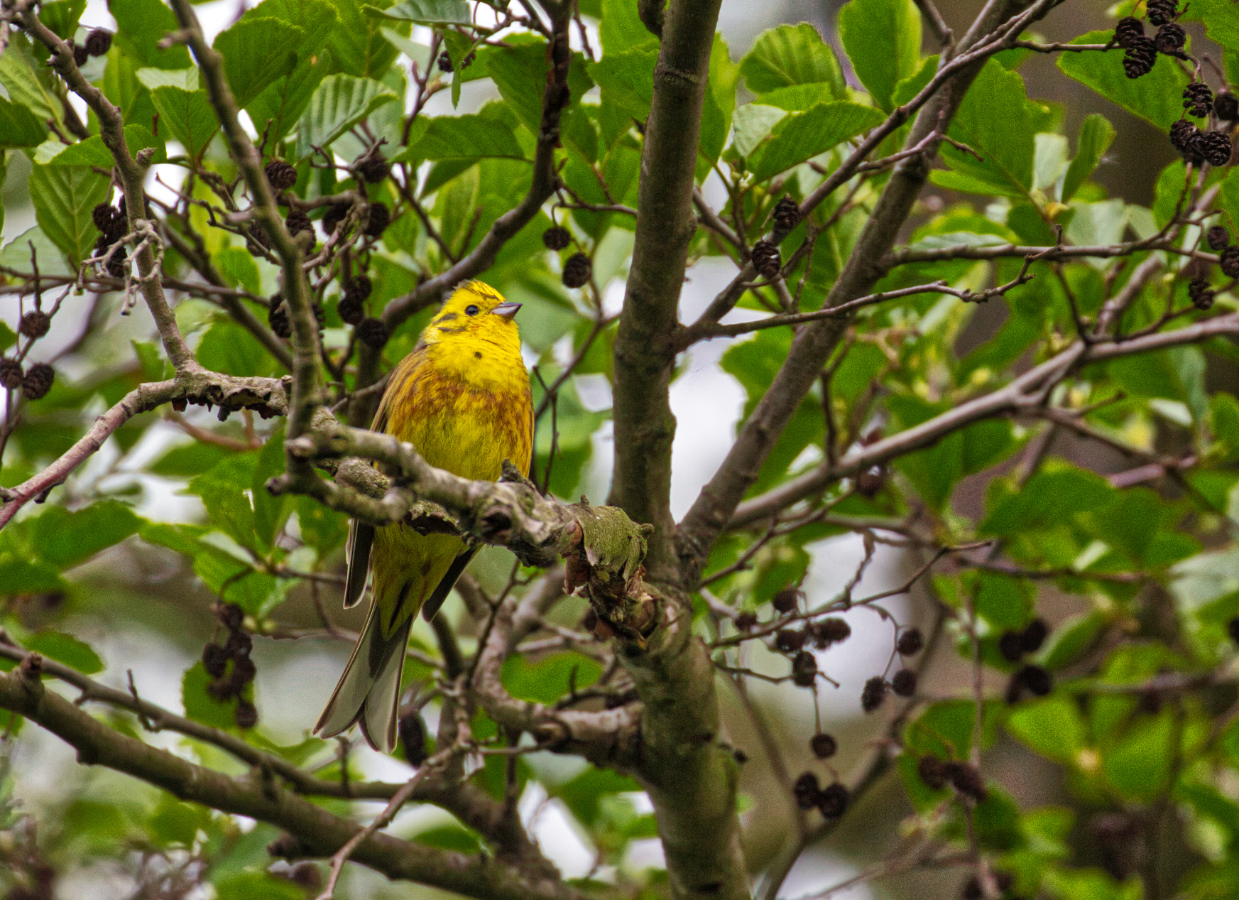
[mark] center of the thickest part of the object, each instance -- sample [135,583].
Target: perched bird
[462,398]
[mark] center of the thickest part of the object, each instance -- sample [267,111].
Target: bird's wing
[360,540]
[435,600]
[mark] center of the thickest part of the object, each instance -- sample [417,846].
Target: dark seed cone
[360,288]
[298,222]
[1232,629]
[1228,263]
[1198,99]
[911,642]
[468,60]
[351,310]
[789,640]
[247,714]
[80,56]
[746,621]
[258,235]
[38,381]
[374,169]
[1170,39]
[1214,147]
[804,669]
[1201,295]
[1034,635]
[412,731]
[102,216]
[967,780]
[1015,688]
[1218,238]
[1037,680]
[824,746]
[1011,646]
[869,483]
[806,790]
[239,644]
[280,175]
[903,683]
[833,800]
[873,694]
[766,259]
[1127,30]
[1140,57]
[118,265]
[445,62]
[221,689]
[11,373]
[99,42]
[785,600]
[1226,106]
[378,217]
[786,217]
[933,772]
[373,333]
[334,216]
[1182,134]
[556,238]
[577,270]
[214,660]
[243,672]
[277,318]
[35,324]
[1159,12]
[831,631]
[230,615]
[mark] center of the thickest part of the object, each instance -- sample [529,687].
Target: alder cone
[11,373]
[280,175]
[766,259]
[1226,105]
[1198,99]
[374,170]
[556,238]
[38,381]
[1214,147]
[1127,31]
[378,217]
[577,270]
[372,332]
[99,42]
[34,324]
[1229,262]
[1139,59]
[1218,238]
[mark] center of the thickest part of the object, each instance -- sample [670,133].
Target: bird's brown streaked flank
[462,399]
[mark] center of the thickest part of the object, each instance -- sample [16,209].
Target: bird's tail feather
[369,690]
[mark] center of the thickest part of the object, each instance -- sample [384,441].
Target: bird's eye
[471,310]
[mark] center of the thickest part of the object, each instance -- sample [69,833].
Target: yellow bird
[462,398]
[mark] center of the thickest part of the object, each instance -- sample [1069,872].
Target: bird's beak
[506,310]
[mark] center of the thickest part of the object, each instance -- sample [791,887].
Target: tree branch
[644,354]
[317,831]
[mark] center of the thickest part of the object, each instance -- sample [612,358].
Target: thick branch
[318,832]
[644,354]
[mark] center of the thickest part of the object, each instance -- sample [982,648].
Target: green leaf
[626,79]
[792,54]
[1052,727]
[256,52]
[450,837]
[882,38]
[801,136]
[283,102]
[460,137]
[1096,135]
[548,678]
[357,43]
[140,25]
[237,266]
[223,490]
[63,198]
[338,103]
[188,115]
[1155,97]
[201,706]
[93,152]
[65,648]
[1228,196]
[62,16]
[1049,498]
[1139,765]
[1005,141]
[188,460]
[315,18]
[185,79]
[621,29]
[27,81]
[425,12]
[1071,640]
[66,539]
[19,127]
[22,576]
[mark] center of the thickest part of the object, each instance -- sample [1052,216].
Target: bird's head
[475,311]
